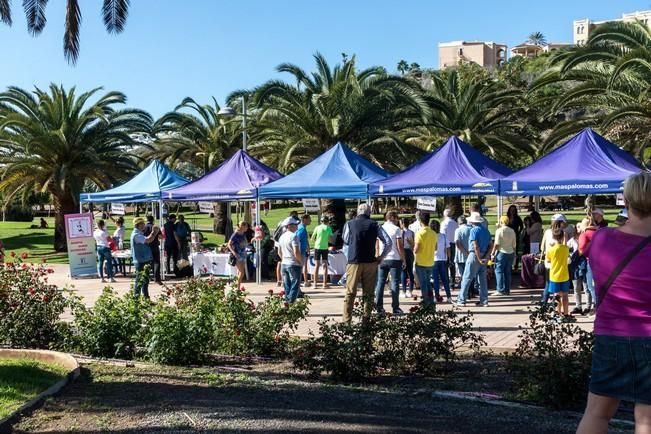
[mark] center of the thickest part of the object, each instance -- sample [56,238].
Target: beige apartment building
[583,28]
[487,54]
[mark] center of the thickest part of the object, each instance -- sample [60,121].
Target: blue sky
[171,49]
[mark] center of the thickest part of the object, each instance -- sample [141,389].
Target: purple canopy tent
[455,169]
[586,164]
[237,178]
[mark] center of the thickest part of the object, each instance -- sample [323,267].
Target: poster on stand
[426,203]
[311,206]
[117,208]
[81,244]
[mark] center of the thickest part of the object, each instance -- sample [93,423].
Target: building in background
[527,49]
[583,28]
[487,54]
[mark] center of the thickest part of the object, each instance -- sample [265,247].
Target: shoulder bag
[619,268]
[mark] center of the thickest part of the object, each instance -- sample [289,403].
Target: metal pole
[258,268]
[160,245]
[243,123]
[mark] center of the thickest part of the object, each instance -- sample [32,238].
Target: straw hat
[138,220]
[475,217]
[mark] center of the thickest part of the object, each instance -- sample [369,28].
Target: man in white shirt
[391,265]
[291,259]
[448,227]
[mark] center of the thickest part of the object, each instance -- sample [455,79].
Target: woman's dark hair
[120,220]
[352,214]
[406,221]
[100,224]
[512,211]
[535,217]
[558,233]
[435,226]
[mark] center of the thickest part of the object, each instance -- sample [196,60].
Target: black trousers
[155,252]
[452,265]
[172,252]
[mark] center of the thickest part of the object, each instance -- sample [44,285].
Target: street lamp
[229,112]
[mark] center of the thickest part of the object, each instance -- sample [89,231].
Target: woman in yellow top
[557,260]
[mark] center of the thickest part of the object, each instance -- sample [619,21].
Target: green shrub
[30,308]
[551,364]
[112,327]
[425,341]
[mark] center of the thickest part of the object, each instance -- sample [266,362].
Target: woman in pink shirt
[621,358]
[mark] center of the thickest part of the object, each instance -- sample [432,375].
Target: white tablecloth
[336,264]
[212,263]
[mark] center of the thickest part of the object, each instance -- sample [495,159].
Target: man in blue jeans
[291,259]
[480,248]
[141,255]
[392,264]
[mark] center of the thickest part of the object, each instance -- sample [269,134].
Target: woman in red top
[588,229]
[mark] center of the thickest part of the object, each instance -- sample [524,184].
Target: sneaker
[448,300]
[576,311]
[113,280]
[403,294]
[480,304]
[459,304]
[408,294]
[398,311]
[499,293]
[568,318]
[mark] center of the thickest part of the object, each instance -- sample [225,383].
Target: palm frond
[114,13]
[35,15]
[71,34]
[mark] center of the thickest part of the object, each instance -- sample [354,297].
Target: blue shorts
[621,368]
[556,287]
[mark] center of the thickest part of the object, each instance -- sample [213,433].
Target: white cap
[623,213]
[559,218]
[475,217]
[290,221]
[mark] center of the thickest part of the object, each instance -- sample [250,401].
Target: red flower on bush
[24,255]
[356,303]
[286,305]
[281,293]
[50,270]
[413,309]
[12,254]
[31,291]
[271,292]
[237,332]
[242,289]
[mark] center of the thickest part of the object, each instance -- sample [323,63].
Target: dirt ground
[268,399]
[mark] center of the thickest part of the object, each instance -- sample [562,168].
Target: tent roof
[338,173]
[453,169]
[235,179]
[144,187]
[585,164]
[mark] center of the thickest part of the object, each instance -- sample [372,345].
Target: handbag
[232,260]
[539,267]
[619,268]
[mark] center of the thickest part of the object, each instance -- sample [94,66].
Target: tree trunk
[454,203]
[63,204]
[335,210]
[220,220]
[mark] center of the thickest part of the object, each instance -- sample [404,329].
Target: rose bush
[30,307]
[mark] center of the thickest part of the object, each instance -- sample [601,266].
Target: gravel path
[153,399]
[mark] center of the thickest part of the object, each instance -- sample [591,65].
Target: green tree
[403,67]
[114,14]
[55,141]
[362,108]
[195,134]
[537,39]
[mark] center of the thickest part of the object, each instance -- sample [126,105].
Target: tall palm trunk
[221,218]
[335,210]
[454,203]
[64,203]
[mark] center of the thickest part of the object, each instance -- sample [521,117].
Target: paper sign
[206,207]
[426,203]
[311,205]
[82,254]
[117,208]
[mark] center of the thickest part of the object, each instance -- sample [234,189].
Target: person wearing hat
[291,259]
[504,251]
[141,255]
[598,218]
[479,252]
[320,238]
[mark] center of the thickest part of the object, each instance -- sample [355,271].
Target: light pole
[229,112]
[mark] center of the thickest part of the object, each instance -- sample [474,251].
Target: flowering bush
[111,328]
[425,341]
[30,307]
[552,361]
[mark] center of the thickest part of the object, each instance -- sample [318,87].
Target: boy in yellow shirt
[424,248]
[557,259]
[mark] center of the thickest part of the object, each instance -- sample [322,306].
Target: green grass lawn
[22,380]
[18,237]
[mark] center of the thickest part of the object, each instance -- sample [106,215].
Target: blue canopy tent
[586,164]
[455,169]
[338,173]
[147,186]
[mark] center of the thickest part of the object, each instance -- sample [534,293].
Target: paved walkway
[499,322]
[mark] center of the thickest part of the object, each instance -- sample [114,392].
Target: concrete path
[499,322]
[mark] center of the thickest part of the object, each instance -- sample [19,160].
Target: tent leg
[161,255]
[536,203]
[500,206]
[258,268]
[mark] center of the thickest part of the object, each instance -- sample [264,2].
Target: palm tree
[114,14]
[362,108]
[403,67]
[196,134]
[608,82]
[537,39]
[56,141]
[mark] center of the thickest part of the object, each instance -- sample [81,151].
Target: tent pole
[258,268]
[160,245]
[536,203]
